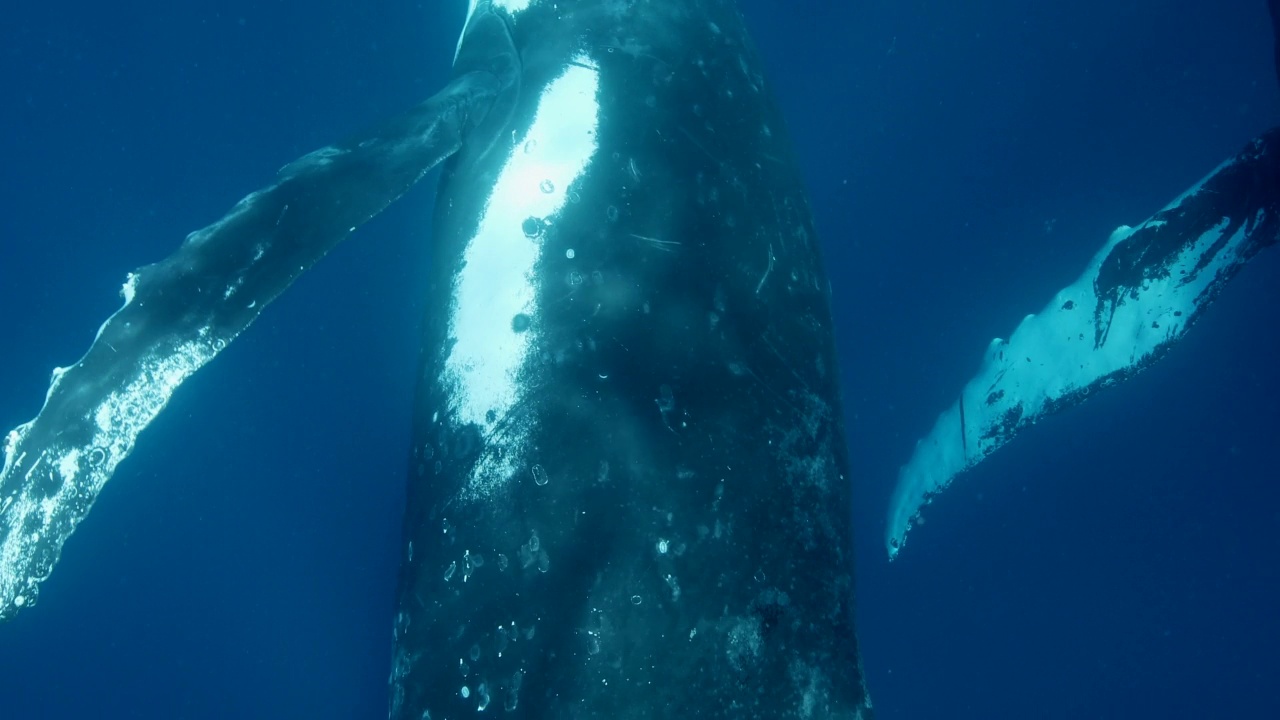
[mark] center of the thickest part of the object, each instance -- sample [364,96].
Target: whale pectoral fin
[180,312]
[1136,299]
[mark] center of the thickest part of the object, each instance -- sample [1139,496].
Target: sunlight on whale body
[498,265]
[1139,296]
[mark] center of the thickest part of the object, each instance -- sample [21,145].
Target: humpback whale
[629,490]
[524,707]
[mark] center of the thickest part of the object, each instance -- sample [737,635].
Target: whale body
[629,490]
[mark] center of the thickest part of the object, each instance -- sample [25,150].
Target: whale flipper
[180,312]
[1138,297]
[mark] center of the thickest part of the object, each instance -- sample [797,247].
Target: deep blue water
[964,160]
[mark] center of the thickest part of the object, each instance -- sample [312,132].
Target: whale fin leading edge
[180,312]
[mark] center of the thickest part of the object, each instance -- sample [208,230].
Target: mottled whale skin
[629,493]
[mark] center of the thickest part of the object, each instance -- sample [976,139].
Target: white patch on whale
[495,284]
[513,6]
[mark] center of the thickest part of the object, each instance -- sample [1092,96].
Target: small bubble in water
[465,692]
[540,476]
[569,253]
[574,196]
[469,565]
[636,600]
[529,146]
[532,227]
[547,186]
[612,213]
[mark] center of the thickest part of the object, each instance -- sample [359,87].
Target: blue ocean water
[964,162]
